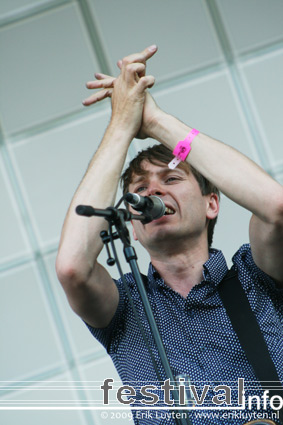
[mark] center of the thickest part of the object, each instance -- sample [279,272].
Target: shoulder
[250,274]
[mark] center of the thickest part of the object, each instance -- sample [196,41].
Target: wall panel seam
[238,83]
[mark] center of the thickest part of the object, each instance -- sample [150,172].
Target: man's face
[187,209]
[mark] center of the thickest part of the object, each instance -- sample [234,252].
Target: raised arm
[239,178]
[90,290]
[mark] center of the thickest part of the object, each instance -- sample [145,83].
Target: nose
[156,189]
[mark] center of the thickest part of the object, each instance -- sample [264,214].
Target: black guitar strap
[248,331]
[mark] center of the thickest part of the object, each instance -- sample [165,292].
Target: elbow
[66,273]
[274,209]
[278,214]
[69,274]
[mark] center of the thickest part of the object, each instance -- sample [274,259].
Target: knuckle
[125,60]
[131,68]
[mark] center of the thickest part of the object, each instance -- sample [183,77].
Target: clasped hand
[133,108]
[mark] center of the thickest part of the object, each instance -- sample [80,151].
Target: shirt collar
[214,270]
[154,278]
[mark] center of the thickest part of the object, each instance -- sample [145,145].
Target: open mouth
[169,211]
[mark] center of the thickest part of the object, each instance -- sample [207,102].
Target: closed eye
[172,179]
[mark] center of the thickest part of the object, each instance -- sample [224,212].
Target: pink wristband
[182,149]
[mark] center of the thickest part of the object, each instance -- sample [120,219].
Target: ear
[212,208]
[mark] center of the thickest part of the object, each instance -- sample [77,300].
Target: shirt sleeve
[251,273]
[109,335]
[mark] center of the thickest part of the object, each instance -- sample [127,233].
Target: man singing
[184,273]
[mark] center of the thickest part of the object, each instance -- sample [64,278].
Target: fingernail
[152,48]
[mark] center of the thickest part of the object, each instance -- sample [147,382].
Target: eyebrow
[163,172]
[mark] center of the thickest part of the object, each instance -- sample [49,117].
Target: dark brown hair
[155,155]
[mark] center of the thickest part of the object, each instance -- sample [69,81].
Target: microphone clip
[106,239]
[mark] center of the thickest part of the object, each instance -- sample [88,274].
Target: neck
[181,270]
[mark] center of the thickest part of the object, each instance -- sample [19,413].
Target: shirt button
[191,313]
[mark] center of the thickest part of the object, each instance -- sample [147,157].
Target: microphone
[151,206]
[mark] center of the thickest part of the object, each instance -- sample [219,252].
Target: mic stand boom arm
[118,218]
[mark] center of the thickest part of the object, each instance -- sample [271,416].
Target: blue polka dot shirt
[197,335]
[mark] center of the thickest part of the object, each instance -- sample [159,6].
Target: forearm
[80,242]
[233,173]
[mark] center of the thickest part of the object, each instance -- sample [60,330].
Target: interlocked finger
[101,83]
[100,76]
[133,70]
[97,97]
[141,57]
[131,66]
[146,82]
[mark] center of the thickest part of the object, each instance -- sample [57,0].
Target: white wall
[219,68]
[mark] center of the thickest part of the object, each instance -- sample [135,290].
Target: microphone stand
[118,218]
